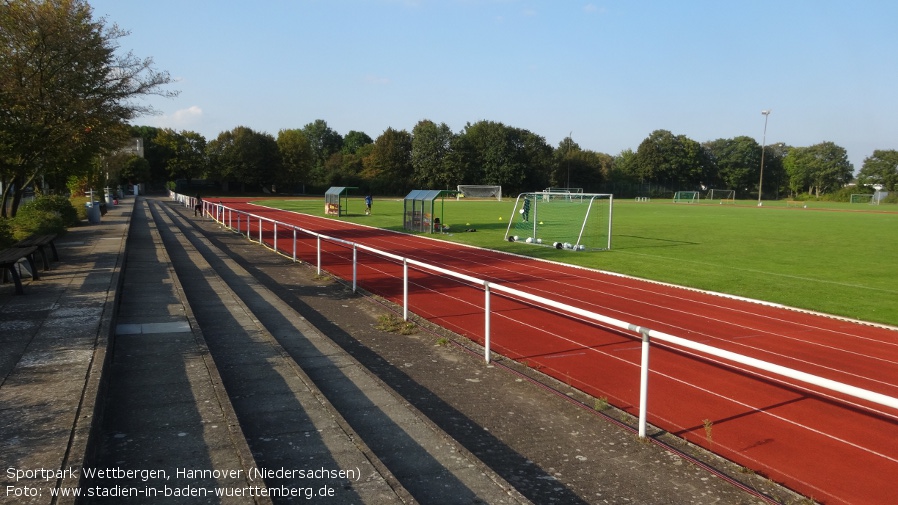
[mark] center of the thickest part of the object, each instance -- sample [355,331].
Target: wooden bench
[42,242]
[9,258]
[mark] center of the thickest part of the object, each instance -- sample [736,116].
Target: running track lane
[822,444]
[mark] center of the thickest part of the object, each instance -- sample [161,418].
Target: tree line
[69,98]
[431,156]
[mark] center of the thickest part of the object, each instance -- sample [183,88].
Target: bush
[6,237]
[42,216]
[57,204]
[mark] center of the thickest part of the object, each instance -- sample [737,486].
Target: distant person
[368,201]
[197,205]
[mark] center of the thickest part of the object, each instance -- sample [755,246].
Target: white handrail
[646,334]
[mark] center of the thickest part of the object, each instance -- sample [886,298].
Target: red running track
[822,444]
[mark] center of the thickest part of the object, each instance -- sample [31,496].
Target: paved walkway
[53,342]
[109,331]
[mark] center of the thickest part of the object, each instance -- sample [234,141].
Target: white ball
[539,241]
[567,245]
[529,239]
[521,211]
[516,238]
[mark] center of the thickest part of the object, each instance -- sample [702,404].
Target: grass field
[834,258]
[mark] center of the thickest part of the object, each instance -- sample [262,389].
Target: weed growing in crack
[392,323]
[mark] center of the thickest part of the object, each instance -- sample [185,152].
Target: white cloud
[182,119]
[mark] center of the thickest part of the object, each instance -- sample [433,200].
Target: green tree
[185,153]
[673,160]
[245,157]
[324,142]
[354,140]
[388,167]
[430,148]
[496,151]
[296,159]
[66,95]
[880,168]
[819,168]
[738,162]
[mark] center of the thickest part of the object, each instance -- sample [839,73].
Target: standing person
[368,201]
[197,205]
[525,212]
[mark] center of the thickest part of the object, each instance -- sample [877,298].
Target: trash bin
[93,212]
[110,199]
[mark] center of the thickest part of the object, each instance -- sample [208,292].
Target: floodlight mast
[766,114]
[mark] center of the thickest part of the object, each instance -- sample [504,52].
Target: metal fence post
[355,268]
[486,321]
[294,244]
[405,289]
[644,383]
[319,254]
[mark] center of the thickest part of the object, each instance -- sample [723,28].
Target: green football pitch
[838,259]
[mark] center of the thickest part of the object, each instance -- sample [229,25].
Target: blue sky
[607,72]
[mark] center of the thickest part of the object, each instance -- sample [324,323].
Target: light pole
[766,114]
[567,156]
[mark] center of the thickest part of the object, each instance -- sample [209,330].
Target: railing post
[319,254]
[355,268]
[260,230]
[294,244]
[405,289]
[275,236]
[486,321]
[644,383]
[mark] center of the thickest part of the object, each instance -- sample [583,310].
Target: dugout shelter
[336,200]
[422,213]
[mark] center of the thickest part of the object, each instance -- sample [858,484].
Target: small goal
[724,195]
[862,198]
[686,197]
[480,191]
[571,221]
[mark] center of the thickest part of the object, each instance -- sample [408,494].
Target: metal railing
[225,216]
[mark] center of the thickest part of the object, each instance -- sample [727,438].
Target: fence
[226,216]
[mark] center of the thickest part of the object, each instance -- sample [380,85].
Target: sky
[607,73]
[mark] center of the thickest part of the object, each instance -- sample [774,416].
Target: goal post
[724,195]
[572,221]
[482,191]
[685,197]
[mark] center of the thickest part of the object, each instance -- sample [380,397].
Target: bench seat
[10,257]
[42,242]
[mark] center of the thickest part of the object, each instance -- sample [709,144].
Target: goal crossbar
[573,221]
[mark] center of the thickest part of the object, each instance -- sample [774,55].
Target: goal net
[573,221]
[862,198]
[479,191]
[685,197]
[724,195]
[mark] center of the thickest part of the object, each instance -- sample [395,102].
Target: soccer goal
[724,195]
[482,191]
[685,197]
[862,198]
[573,221]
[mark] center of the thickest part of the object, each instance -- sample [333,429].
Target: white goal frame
[527,209]
[724,195]
[486,191]
[868,198]
[683,197]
